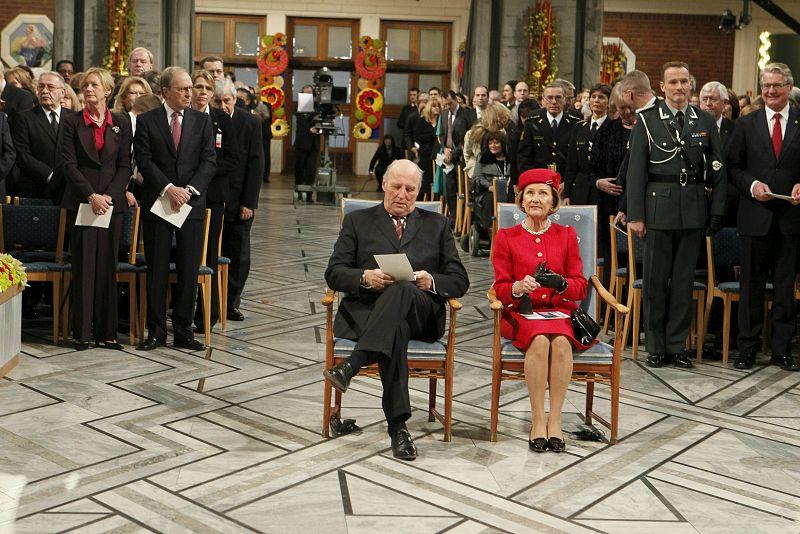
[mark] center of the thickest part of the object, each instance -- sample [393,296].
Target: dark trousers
[157,248]
[777,254]
[236,246]
[305,166]
[401,313]
[670,257]
[451,193]
[94,278]
[212,255]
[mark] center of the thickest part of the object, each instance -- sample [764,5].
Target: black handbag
[584,328]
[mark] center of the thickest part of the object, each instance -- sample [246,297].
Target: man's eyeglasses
[768,86]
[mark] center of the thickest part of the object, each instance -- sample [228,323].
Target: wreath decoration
[280,128]
[377,83]
[365,41]
[370,64]
[273,96]
[279,39]
[272,60]
[369,100]
[361,131]
[373,120]
[265,79]
[542,46]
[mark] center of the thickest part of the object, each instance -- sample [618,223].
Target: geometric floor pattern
[106,441]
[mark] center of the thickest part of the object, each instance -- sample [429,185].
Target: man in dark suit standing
[14,100]
[306,149]
[673,148]
[764,158]
[227,153]
[453,120]
[245,185]
[713,98]
[8,154]
[547,133]
[37,137]
[408,110]
[380,313]
[174,149]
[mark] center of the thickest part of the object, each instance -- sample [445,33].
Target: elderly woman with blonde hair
[494,118]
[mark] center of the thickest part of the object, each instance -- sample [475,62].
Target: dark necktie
[398,226]
[554,124]
[54,121]
[593,131]
[679,118]
[176,128]
[777,138]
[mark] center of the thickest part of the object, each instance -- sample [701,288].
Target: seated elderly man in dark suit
[383,314]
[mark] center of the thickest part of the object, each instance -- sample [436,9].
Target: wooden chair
[432,361]
[203,279]
[619,275]
[466,220]
[34,234]
[599,364]
[499,194]
[459,201]
[223,268]
[723,251]
[25,201]
[127,270]
[635,253]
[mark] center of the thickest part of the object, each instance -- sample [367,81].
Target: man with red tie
[764,159]
[174,148]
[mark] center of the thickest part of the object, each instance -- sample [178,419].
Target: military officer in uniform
[670,146]
[547,133]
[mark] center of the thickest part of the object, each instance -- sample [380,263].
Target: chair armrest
[327,300]
[454,304]
[494,302]
[607,297]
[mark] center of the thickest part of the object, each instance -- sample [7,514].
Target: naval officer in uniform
[670,146]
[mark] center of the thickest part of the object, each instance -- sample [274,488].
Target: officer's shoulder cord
[672,152]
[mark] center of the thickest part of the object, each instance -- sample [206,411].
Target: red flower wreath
[369,100]
[273,96]
[272,60]
[370,64]
[373,120]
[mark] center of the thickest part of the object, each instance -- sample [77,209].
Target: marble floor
[105,441]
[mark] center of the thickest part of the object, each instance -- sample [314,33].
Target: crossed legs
[548,360]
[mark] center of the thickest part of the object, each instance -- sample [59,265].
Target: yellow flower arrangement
[12,273]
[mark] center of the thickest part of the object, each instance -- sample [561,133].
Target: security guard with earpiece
[675,154]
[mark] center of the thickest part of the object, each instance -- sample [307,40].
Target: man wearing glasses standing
[174,148]
[764,159]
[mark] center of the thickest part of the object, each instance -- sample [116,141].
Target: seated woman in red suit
[97,163]
[538,267]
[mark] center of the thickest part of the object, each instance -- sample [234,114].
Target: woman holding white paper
[538,267]
[96,151]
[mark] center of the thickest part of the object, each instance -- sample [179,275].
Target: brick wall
[656,39]
[11,8]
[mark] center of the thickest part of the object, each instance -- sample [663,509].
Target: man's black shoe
[235,315]
[403,447]
[787,362]
[190,344]
[657,359]
[745,359]
[339,376]
[681,360]
[151,343]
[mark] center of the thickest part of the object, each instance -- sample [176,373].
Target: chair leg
[495,410]
[326,410]
[134,320]
[616,290]
[205,286]
[223,298]
[726,328]
[142,304]
[65,305]
[56,308]
[700,326]
[431,400]
[448,407]
[587,417]
[637,315]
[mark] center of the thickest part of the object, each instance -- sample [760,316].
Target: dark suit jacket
[428,243]
[16,100]
[726,131]
[303,138]
[465,118]
[8,153]
[249,171]
[750,157]
[160,164]
[408,130]
[227,151]
[540,145]
[585,162]
[38,154]
[88,172]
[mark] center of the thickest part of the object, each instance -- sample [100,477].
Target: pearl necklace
[536,232]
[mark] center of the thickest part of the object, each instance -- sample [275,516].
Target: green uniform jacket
[655,150]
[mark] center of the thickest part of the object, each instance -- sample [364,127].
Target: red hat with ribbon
[539,176]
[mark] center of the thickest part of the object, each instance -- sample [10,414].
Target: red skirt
[521,331]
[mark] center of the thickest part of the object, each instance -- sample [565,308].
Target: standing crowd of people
[167,138]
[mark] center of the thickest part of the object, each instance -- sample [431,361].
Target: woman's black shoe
[113,345]
[537,444]
[82,345]
[556,445]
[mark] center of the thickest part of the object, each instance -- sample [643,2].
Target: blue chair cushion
[622,272]
[601,353]
[734,287]
[125,267]
[418,350]
[202,270]
[39,267]
[637,284]
[224,260]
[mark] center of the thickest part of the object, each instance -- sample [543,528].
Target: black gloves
[548,278]
[525,306]
[715,224]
